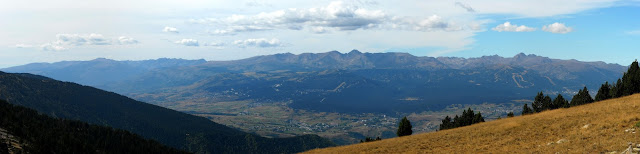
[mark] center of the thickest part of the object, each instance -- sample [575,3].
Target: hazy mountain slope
[38,133]
[359,82]
[99,72]
[333,60]
[554,68]
[593,128]
[173,128]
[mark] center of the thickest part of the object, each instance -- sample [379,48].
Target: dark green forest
[43,134]
[176,129]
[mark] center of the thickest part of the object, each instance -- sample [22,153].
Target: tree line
[627,85]
[467,118]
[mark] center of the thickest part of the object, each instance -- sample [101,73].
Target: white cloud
[508,27]
[170,30]
[214,44]
[23,45]
[434,22]
[67,41]
[188,42]
[259,42]
[81,39]
[319,30]
[558,28]
[335,16]
[465,6]
[126,40]
[52,47]
[236,29]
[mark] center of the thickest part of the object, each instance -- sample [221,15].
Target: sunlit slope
[593,128]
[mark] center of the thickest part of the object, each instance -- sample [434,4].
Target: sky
[62,30]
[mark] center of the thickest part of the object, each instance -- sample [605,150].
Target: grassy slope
[605,121]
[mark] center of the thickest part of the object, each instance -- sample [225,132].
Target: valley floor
[599,127]
[279,120]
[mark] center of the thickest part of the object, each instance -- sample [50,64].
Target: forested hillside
[43,134]
[176,129]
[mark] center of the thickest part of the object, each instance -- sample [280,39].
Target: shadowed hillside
[599,127]
[176,129]
[31,132]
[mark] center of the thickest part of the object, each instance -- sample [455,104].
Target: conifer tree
[631,79]
[586,96]
[603,92]
[526,110]
[583,97]
[446,123]
[404,128]
[510,114]
[477,118]
[560,102]
[537,102]
[456,121]
[617,89]
[546,103]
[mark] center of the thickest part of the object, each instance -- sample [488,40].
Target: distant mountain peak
[523,55]
[334,52]
[103,60]
[355,51]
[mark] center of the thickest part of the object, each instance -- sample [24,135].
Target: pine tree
[604,92]
[537,102]
[456,121]
[546,103]
[583,97]
[477,118]
[631,79]
[617,89]
[586,96]
[526,110]
[404,128]
[560,102]
[446,123]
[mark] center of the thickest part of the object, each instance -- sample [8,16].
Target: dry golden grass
[592,128]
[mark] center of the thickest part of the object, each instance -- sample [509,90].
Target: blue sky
[57,30]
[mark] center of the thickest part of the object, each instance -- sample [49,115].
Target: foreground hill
[35,133]
[599,127]
[176,129]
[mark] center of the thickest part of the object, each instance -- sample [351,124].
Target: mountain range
[353,82]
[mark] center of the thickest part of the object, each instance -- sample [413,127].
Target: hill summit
[600,127]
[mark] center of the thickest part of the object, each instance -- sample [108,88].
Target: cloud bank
[337,16]
[188,42]
[259,42]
